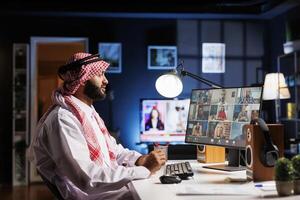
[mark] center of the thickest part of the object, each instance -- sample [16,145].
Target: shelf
[20,175]
[292,120]
[20,71]
[288,64]
[289,154]
[293,86]
[22,112]
[291,54]
[20,133]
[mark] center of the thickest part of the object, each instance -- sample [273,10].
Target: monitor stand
[233,162]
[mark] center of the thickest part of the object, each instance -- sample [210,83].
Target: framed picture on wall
[162,57]
[111,53]
[213,58]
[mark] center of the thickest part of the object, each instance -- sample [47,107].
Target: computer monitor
[217,116]
[163,120]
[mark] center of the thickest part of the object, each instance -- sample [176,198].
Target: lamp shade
[169,85]
[275,87]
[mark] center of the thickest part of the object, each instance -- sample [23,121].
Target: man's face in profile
[95,88]
[248,93]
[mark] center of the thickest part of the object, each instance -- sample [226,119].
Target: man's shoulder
[58,113]
[60,117]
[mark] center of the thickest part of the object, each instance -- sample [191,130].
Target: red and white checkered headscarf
[62,97]
[74,79]
[89,133]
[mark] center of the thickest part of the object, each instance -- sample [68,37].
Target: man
[202,114]
[243,115]
[222,97]
[176,115]
[247,98]
[197,129]
[72,147]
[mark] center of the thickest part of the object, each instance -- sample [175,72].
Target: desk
[152,189]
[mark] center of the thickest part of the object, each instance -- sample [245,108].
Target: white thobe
[61,155]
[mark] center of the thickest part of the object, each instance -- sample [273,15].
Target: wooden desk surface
[152,189]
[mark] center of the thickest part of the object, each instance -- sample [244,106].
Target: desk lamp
[170,84]
[275,88]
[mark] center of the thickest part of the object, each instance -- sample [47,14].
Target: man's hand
[153,161]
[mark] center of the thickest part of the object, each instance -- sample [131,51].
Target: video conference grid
[217,116]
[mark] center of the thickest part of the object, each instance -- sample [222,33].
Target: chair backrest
[52,187]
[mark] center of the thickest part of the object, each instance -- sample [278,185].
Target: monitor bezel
[215,144]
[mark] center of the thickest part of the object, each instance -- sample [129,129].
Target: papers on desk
[217,189]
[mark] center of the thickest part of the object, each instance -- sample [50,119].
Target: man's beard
[93,91]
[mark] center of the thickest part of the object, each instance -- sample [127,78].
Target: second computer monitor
[163,120]
[217,116]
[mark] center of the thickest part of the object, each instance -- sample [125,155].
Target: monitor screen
[163,120]
[217,116]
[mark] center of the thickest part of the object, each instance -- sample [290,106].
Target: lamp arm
[198,78]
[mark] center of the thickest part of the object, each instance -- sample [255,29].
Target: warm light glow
[275,87]
[169,85]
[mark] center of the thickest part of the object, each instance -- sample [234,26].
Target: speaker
[210,154]
[269,151]
[260,166]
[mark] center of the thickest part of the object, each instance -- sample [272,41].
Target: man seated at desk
[72,147]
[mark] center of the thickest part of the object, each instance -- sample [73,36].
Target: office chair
[51,187]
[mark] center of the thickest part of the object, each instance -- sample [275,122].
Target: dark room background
[252,46]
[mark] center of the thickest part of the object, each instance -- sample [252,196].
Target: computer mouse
[169,179]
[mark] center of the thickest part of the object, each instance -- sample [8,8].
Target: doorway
[47,54]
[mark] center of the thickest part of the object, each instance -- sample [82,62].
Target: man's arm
[152,161]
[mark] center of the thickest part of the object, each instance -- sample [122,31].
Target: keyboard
[181,169]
